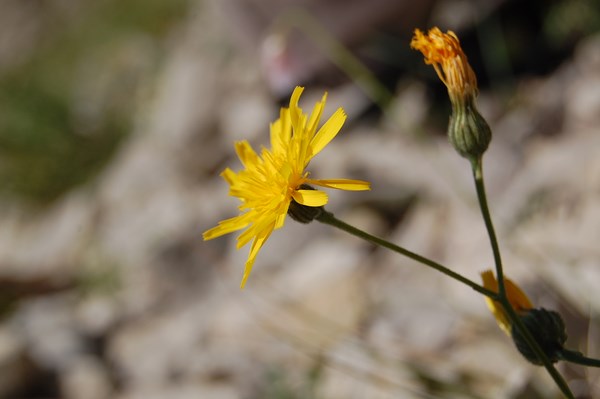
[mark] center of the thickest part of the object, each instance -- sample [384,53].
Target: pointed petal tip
[212,233]
[342,184]
[247,270]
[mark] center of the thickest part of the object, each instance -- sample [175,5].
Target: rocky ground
[110,292]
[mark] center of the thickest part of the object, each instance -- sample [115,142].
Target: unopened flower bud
[547,328]
[468,132]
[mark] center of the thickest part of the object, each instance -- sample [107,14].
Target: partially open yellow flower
[271,180]
[517,298]
[443,51]
[468,131]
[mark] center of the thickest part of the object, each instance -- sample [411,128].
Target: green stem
[578,358]
[330,219]
[477,167]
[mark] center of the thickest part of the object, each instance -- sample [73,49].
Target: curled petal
[443,51]
[310,197]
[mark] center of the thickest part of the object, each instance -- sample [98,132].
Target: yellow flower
[443,51]
[271,180]
[516,297]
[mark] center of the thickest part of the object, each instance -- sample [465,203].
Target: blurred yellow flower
[516,297]
[443,51]
[271,180]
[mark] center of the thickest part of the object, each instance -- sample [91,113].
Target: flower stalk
[514,318]
[578,358]
[470,135]
[330,219]
[477,168]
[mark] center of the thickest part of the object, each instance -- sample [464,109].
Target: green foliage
[568,20]
[66,107]
[101,279]
[41,154]
[280,386]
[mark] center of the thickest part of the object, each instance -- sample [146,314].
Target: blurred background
[116,119]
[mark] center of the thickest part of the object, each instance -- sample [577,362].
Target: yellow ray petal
[516,297]
[260,224]
[229,176]
[281,218]
[328,131]
[277,144]
[227,226]
[257,244]
[246,153]
[342,184]
[315,117]
[310,197]
[295,110]
[489,282]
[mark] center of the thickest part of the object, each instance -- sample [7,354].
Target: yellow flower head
[517,298]
[443,51]
[271,180]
